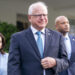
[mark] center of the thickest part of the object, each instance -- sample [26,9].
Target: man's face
[63,25]
[39,18]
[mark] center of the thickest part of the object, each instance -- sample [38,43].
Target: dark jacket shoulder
[21,33]
[53,32]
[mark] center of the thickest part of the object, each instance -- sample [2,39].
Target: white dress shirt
[35,35]
[42,36]
[68,45]
[3,63]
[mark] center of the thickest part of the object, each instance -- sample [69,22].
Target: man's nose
[67,25]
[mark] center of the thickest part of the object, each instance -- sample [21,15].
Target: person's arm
[62,61]
[14,57]
[48,62]
[57,64]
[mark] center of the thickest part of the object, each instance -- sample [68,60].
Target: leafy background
[7,30]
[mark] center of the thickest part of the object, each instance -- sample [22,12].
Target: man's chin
[42,26]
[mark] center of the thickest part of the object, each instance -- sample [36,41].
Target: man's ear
[56,26]
[29,18]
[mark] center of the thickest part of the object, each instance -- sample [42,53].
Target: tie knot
[38,33]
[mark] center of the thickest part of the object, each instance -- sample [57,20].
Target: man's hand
[48,62]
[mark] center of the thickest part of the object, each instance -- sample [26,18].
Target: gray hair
[32,6]
[58,18]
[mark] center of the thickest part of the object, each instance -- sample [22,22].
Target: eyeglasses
[39,15]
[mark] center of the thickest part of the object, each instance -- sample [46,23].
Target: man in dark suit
[63,26]
[28,55]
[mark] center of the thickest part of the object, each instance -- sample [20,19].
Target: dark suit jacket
[24,56]
[71,68]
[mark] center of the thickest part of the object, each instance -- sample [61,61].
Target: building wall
[10,8]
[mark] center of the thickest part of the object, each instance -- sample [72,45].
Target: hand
[48,62]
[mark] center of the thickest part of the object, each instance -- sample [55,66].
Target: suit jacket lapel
[47,41]
[32,41]
[72,45]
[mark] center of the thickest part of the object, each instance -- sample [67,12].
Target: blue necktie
[39,43]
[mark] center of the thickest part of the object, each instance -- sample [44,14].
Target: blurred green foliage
[7,30]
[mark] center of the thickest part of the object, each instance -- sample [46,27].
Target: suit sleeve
[62,60]
[14,57]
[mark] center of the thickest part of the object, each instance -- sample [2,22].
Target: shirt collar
[35,30]
[66,36]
